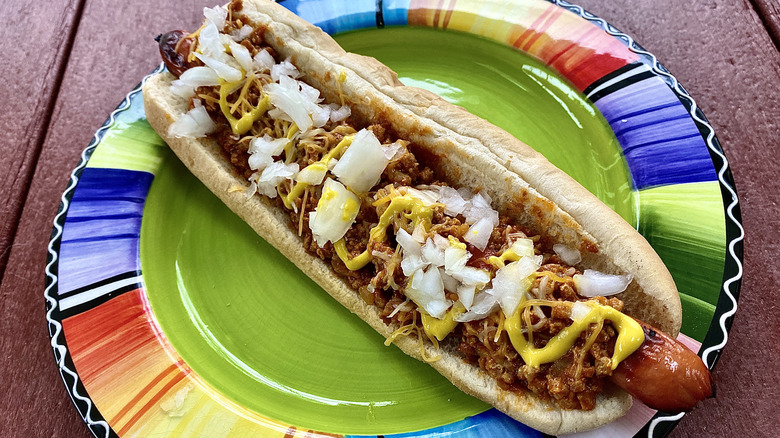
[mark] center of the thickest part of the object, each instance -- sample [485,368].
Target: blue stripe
[661,143]
[96,245]
[119,216]
[396,12]
[334,17]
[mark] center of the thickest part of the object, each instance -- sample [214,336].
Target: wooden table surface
[66,64]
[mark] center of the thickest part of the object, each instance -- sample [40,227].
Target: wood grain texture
[112,51]
[726,60]
[720,50]
[28,91]
[769,11]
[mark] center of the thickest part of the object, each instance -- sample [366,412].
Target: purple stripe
[661,142]
[100,238]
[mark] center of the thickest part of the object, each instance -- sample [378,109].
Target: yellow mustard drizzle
[289,147]
[243,124]
[342,78]
[414,209]
[630,334]
[440,328]
[507,256]
[321,165]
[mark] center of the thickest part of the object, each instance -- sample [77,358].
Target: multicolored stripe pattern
[127,380]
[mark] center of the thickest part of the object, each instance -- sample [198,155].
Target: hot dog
[454,240]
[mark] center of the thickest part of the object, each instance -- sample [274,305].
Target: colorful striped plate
[168,316]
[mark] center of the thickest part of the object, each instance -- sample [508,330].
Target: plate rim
[660,425]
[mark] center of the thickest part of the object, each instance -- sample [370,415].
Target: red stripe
[450,9]
[546,25]
[437,14]
[570,46]
[530,29]
[146,389]
[152,403]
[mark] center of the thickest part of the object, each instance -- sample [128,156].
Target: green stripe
[131,146]
[685,223]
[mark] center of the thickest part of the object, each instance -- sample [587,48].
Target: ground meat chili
[572,381]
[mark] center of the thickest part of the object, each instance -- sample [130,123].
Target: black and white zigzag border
[55,305]
[717,335]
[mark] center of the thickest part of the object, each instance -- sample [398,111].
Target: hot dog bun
[471,153]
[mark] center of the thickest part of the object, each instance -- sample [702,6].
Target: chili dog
[454,240]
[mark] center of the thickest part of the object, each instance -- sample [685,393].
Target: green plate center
[260,332]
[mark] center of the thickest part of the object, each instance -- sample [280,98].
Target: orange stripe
[151,403]
[572,45]
[437,14]
[529,31]
[448,15]
[141,393]
[546,25]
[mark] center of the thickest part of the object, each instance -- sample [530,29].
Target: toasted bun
[471,153]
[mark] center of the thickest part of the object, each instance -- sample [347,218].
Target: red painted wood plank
[725,58]
[112,51]
[720,51]
[769,11]
[31,70]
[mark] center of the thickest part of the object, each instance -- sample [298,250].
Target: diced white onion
[262,150]
[264,61]
[310,93]
[194,123]
[428,197]
[409,245]
[455,258]
[412,263]
[193,78]
[278,114]
[478,208]
[210,43]
[362,164]
[484,304]
[394,150]
[284,68]
[593,283]
[450,283]
[471,276]
[242,55]
[274,174]
[335,213]
[267,145]
[580,310]
[466,295]
[320,115]
[432,253]
[419,233]
[441,241]
[312,175]
[260,161]
[454,204]
[286,95]
[426,289]
[339,113]
[241,34]
[512,282]
[523,247]
[570,256]
[216,15]
[224,71]
[479,233]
